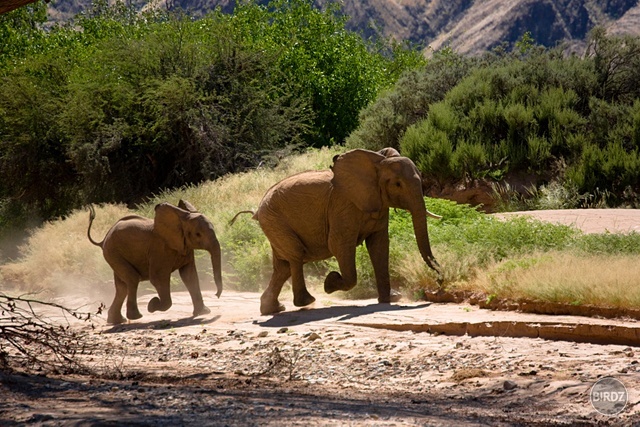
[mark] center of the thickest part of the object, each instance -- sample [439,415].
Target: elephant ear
[355,175]
[389,152]
[183,204]
[168,225]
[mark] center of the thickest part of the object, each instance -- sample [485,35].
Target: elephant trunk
[419,218]
[216,264]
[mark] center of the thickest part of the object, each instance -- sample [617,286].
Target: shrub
[383,122]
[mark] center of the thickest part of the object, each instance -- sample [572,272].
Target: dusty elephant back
[297,206]
[296,194]
[128,241]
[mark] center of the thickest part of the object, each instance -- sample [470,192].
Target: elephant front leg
[269,303]
[346,256]
[301,296]
[163,301]
[189,276]
[378,248]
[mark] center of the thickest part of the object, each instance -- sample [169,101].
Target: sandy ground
[590,220]
[338,363]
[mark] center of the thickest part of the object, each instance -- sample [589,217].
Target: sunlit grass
[569,278]
[58,256]
[515,259]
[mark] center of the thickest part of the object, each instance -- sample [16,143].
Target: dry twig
[31,340]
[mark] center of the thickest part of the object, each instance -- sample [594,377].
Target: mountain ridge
[467,26]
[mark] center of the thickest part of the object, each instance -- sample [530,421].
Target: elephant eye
[398,184]
[198,234]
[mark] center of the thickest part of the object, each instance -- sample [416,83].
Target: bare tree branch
[31,340]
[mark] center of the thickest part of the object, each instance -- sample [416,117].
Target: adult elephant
[315,215]
[139,248]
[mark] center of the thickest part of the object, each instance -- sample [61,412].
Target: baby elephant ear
[183,204]
[168,225]
[355,176]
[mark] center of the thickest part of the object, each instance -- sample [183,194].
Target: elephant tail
[238,214]
[92,216]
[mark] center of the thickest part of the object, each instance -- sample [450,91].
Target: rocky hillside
[468,26]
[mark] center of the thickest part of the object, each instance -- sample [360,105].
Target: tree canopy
[119,104]
[561,118]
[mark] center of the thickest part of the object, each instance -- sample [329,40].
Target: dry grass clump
[58,257]
[565,277]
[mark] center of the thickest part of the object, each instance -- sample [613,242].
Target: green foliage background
[536,111]
[118,105]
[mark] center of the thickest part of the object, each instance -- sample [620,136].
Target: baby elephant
[140,248]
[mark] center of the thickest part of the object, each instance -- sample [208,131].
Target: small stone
[263,334]
[313,336]
[509,385]
[283,330]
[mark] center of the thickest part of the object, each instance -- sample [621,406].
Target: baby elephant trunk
[216,264]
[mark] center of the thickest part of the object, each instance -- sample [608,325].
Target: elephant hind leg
[133,313]
[269,303]
[114,315]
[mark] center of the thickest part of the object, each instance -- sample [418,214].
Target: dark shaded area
[299,317]
[242,402]
[162,324]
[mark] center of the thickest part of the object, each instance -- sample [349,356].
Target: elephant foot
[270,306]
[333,282]
[303,300]
[394,296]
[201,311]
[156,305]
[134,314]
[115,319]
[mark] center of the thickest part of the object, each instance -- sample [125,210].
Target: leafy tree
[21,32]
[121,104]
[533,110]
[336,69]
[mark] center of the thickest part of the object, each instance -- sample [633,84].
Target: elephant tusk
[432,215]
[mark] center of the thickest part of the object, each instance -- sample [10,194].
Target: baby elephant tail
[92,216]
[238,214]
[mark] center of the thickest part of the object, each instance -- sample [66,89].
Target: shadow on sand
[162,324]
[308,315]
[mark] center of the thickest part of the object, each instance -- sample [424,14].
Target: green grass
[518,258]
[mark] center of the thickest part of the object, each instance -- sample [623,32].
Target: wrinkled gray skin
[140,249]
[315,215]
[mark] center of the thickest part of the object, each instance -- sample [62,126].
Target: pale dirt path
[323,367]
[328,366]
[589,220]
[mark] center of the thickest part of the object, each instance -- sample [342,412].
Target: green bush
[383,122]
[536,111]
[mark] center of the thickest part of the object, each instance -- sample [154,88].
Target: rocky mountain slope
[467,26]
